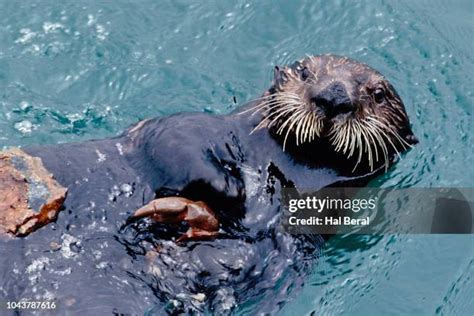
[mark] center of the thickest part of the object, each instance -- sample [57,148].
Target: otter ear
[276,73]
[279,75]
[411,139]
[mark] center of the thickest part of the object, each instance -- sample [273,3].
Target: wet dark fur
[201,157]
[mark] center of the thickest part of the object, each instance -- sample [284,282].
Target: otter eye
[305,73]
[297,65]
[379,95]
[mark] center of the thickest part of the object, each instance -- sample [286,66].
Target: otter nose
[333,99]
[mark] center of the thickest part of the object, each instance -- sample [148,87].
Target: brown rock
[29,196]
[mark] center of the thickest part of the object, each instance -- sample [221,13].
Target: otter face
[340,101]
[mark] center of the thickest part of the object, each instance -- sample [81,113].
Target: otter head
[345,104]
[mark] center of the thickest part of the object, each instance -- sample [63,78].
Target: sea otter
[210,184]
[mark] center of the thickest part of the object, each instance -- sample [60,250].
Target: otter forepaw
[173,210]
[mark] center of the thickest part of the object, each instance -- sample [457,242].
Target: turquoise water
[83,70]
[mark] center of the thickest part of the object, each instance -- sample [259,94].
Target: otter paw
[173,210]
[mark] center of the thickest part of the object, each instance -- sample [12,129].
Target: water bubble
[119,148]
[70,246]
[37,265]
[126,189]
[101,32]
[24,127]
[102,265]
[114,193]
[90,19]
[49,27]
[27,36]
[24,105]
[101,157]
